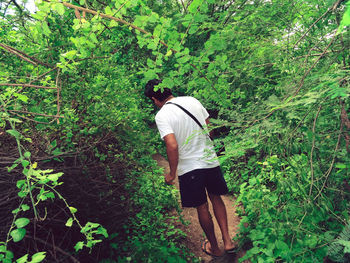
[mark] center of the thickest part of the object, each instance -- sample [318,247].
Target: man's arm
[172,151]
[211,133]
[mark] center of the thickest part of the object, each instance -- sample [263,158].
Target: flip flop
[231,251]
[204,249]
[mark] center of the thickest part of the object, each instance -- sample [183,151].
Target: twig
[335,5]
[30,57]
[54,247]
[29,119]
[42,75]
[313,24]
[25,85]
[301,83]
[332,163]
[17,54]
[183,5]
[58,96]
[34,113]
[312,150]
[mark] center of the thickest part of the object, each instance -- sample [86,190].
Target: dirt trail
[195,234]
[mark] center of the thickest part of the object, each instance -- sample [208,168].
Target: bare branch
[25,85]
[312,150]
[25,56]
[34,113]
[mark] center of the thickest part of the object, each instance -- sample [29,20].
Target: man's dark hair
[160,94]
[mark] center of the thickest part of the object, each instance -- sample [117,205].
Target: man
[191,155]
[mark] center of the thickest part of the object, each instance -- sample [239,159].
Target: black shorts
[193,186]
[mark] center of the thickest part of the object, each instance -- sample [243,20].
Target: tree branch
[312,150]
[25,85]
[25,56]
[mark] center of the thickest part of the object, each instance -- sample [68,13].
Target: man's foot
[206,248]
[230,248]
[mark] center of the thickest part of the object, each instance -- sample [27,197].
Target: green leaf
[14,133]
[101,230]
[194,5]
[72,209]
[23,259]
[22,97]
[281,245]
[113,23]
[38,257]
[9,169]
[25,163]
[9,255]
[46,29]
[93,38]
[69,222]
[59,8]
[82,2]
[20,183]
[18,234]
[22,222]
[54,177]
[108,11]
[27,154]
[25,207]
[78,246]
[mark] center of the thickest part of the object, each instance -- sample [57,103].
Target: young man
[191,155]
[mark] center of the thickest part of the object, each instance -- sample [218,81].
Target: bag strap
[191,115]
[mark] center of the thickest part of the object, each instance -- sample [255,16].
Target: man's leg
[221,217]
[207,225]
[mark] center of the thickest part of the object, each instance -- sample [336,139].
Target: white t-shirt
[196,150]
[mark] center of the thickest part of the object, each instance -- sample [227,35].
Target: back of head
[160,94]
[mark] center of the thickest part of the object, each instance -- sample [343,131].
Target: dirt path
[195,233]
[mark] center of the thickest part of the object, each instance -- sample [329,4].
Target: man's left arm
[211,133]
[172,151]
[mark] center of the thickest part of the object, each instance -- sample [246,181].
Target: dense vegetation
[78,181]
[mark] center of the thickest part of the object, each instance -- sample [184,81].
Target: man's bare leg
[221,217]
[207,225]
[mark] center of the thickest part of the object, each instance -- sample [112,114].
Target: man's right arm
[172,151]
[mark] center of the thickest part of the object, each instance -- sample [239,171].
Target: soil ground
[195,234]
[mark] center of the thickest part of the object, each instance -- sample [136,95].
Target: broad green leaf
[78,246]
[22,222]
[54,177]
[27,154]
[23,259]
[101,230]
[25,207]
[9,169]
[22,97]
[93,38]
[113,23]
[72,209]
[18,234]
[69,222]
[14,133]
[38,257]
[25,163]
[46,29]
[2,248]
[108,11]
[59,8]
[20,183]
[194,5]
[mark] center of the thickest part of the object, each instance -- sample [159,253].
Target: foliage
[338,251]
[273,75]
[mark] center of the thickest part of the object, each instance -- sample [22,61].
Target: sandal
[204,249]
[231,251]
